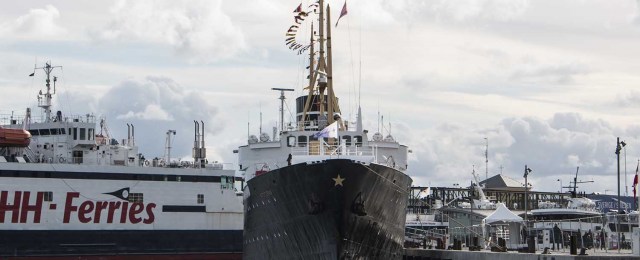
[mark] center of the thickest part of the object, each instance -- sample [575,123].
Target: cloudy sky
[550,84]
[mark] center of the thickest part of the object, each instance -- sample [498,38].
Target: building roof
[500,181]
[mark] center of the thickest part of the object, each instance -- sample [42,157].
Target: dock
[436,254]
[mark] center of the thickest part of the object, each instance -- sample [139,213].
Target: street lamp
[619,146]
[527,170]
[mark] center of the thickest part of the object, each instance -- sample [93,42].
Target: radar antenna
[44,99]
[282,90]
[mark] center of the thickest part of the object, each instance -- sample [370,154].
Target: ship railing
[314,125]
[320,147]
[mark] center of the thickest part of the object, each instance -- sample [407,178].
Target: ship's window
[291,141]
[62,131]
[90,137]
[48,196]
[34,132]
[357,140]
[347,140]
[54,131]
[302,141]
[45,132]
[83,134]
[136,197]
[70,132]
[75,133]
[200,198]
[312,138]
[226,182]
[178,178]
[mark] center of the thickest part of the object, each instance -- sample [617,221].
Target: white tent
[502,214]
[504,224]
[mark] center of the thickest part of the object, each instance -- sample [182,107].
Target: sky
[550,84]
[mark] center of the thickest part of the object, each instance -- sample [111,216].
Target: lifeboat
[14,137]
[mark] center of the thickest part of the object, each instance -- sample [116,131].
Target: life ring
[146,163]
[62,160]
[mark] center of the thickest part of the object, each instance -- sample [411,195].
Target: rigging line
[286,104]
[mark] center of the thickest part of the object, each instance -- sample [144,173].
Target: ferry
[69,188]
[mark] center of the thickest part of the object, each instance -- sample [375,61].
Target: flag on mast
[635,185]
[299,9]
[343,12]
[329,131]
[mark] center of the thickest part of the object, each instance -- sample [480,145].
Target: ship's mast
[322,74]
[44,99]
[282,90]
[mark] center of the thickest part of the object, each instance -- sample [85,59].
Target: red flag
[635,184]
[343,12]
[299,9]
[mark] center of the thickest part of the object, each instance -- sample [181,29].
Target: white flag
[329,131]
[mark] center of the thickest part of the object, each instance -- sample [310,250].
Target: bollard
[503,244]
[573,245]
[439,244]
[531,244]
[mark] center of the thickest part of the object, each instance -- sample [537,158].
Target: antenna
[486,159]
[282,90]
[378,116]
[47,96]
[260,128]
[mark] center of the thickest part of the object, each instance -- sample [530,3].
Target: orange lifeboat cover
[14,137]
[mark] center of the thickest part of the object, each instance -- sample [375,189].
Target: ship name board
[75,208]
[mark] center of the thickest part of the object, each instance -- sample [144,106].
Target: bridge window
[45,132]
[291,141]
[302,140]
[226,182]
[83,134]
[357,140]
[75,133]
[54,131]
[34,132]
[200,198]
[91,135]
[347,139]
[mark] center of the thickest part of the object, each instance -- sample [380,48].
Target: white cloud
[38,24]
[155,105]
[552,147]
[151,112]
[636,18]
[498,10]
[199,30]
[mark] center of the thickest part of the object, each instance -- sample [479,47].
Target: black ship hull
[210,244]
[333,209]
